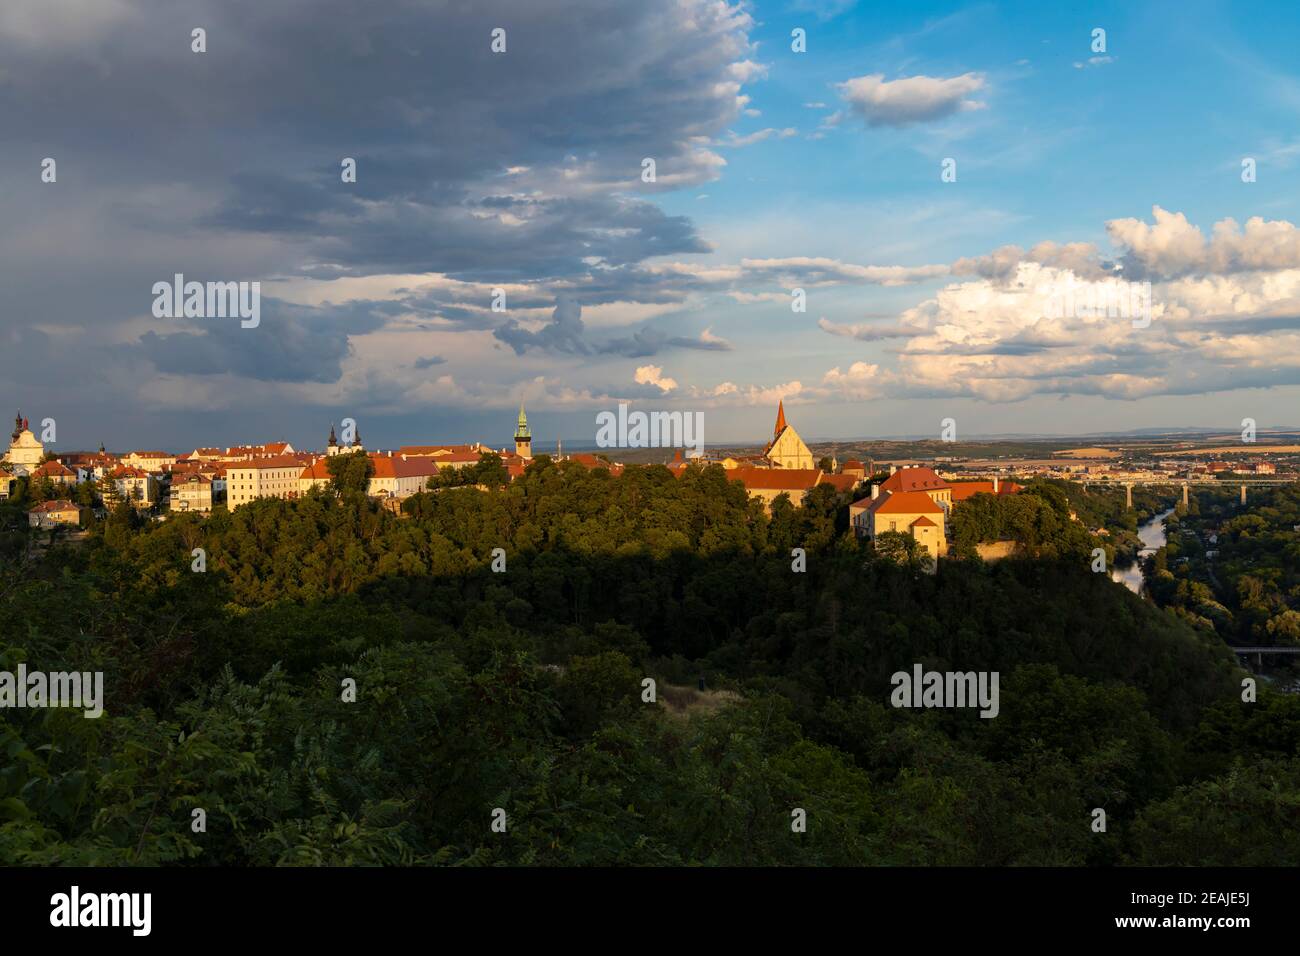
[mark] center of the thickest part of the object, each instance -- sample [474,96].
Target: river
[1152,534]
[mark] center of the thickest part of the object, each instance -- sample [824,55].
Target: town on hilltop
[902,496]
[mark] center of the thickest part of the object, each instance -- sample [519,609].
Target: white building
[263,478]
[25,450]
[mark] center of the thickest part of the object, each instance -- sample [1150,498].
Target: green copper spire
[521,430]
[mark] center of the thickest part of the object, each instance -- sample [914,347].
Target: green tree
[350,472]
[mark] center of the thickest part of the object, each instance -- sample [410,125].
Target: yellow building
[787,450]
[913,513]
[52,514]
[263,478]
[920,479]
[25,450]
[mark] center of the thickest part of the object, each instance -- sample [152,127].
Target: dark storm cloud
[519,168]
[566,333]
[291,344]
[563,333]
[415,95]
[650,341]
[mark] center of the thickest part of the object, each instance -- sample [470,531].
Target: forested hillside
[521,689]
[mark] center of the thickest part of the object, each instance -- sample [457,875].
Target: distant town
[912,492]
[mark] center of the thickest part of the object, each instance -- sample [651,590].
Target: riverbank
[1152,535]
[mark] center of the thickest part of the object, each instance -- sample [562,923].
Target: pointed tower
[523,437]
[332,446]
[786,449]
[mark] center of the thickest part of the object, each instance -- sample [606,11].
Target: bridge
[1186,483]
[1259,650]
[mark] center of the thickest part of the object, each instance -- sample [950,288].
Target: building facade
[787,449]
[276,477]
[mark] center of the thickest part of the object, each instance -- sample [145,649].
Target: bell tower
[523,437]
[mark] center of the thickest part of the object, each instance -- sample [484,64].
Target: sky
[944,183]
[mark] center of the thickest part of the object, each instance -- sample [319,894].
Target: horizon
[516,248]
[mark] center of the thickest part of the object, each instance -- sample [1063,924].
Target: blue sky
[775,170]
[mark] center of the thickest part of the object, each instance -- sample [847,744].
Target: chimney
[875,492]
[893,468]
[995,484]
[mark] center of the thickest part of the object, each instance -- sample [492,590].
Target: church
[25,450]
[787,449]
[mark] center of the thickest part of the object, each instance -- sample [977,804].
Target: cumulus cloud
[909,100]
[862,381]
[654,375]
[1081,258]
[1171,246]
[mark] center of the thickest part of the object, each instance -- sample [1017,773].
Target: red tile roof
[128,471]
[428,450]
[276,461]
[393,466]
[840,483]
[45,507]
[588,460]
[53,469]
[775,479]
[961,490]
[913,479]
[904,502]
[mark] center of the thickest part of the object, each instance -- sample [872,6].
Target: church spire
[780,419]
[523,437]
[333,442]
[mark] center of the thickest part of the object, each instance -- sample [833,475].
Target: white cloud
[758,136]
[913,99]
[654,375]
[1172,246]
[814,270]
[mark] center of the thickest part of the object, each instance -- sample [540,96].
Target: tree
[350,472]
[489,471]
[903,548]
[109,493]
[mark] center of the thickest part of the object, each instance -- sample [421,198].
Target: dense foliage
[522,690]
[1236,569]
